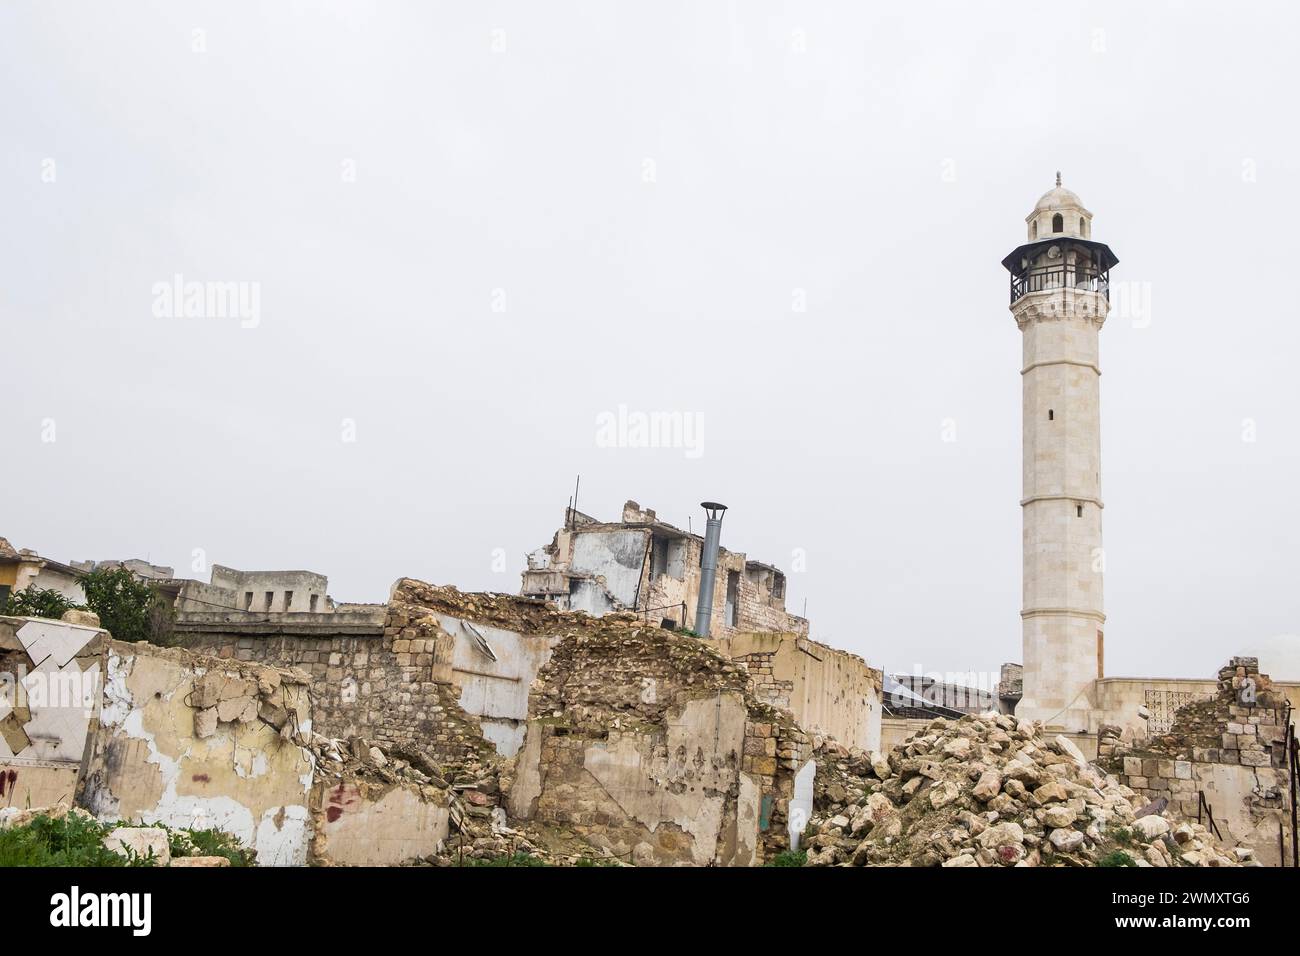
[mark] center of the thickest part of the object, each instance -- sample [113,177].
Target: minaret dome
[1059,212]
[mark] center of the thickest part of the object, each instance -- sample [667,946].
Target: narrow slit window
[1078,511]
[1051,415]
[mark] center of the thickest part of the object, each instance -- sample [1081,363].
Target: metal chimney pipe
[708,566]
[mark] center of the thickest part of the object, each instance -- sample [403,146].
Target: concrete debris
[213,861]
[989,790]
[140,842]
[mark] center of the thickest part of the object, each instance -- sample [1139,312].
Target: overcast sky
[474,229]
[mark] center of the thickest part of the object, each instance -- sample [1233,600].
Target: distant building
[228,591]
[20,569]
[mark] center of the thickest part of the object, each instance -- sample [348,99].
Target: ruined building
[456,714]
[648,566]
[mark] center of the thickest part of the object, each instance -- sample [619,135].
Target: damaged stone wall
[650,746]
[1227,748]
[348,668]
[662,750]
[188,741]
[830,692]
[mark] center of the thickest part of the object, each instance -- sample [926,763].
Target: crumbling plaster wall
[615,556]
[494,668]
[649,744]
[196,742]
[829,691]
[359,823]
[49,691]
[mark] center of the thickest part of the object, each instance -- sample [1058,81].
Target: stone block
[140,841]
[766,766]
[205,722]
[214,861]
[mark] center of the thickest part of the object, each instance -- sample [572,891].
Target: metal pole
[708,566]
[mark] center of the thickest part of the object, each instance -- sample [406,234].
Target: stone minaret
[1059,297]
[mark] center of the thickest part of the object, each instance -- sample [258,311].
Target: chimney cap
[713,508]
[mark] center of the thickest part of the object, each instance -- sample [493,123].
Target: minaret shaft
[1060,301]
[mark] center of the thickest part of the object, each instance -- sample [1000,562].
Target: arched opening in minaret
[1051,415]
[1083,228]
[1078,511]
[1058,223]
[1033,230]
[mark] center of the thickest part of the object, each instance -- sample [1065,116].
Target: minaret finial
[1058,177]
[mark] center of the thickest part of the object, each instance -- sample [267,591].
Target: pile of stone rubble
[989,790]
[471,790]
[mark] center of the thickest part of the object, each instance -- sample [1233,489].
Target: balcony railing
[1059,277]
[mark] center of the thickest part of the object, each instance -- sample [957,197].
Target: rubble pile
[479,829]
[989,790]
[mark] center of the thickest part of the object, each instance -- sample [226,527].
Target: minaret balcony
[1059,262]
[1051,278]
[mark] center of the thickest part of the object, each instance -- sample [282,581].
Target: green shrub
[210,843]
[1116,858]
[518,859]
[38,602]
[789,858]
[71,840]
[76,840]
[128,608]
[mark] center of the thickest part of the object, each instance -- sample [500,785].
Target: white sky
[880,160]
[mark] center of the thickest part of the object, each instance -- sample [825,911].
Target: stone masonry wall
[383,686]
[650,745]
[1228,749]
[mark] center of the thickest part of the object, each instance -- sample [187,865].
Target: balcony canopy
[1104,258]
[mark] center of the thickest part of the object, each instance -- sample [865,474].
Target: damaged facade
[645,565]
[1224,759]
[464,711]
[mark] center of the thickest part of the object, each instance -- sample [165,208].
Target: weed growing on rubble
[789,858]
[76,839]
[1122,835]
[1116,858]
[71,840]
[210,843]
[517,859]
